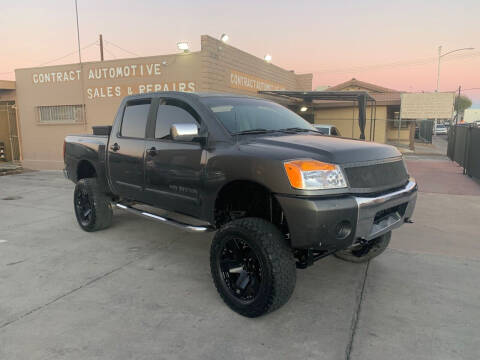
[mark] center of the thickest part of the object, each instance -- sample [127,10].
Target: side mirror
[184,131]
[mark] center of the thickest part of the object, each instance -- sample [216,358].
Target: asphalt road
[142,290]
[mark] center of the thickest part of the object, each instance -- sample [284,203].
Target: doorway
[9,141]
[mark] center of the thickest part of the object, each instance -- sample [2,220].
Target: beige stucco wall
[211,69]
[346,120]
[221,64]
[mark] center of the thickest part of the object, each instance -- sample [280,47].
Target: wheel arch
[85,169]
[247,198]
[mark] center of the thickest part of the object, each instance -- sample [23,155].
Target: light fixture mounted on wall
[303,108]
[183,45]
[268,58]
[224,38]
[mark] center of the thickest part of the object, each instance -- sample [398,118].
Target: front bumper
[337,222]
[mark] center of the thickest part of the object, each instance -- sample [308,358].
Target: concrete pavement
[142,290]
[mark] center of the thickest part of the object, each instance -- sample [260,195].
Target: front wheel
[92,207]
[364,252]
[252,266]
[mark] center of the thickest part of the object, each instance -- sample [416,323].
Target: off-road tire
[378,247]
[101,208]
[278,265]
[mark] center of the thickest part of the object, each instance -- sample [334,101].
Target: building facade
[382,124]
[55,101]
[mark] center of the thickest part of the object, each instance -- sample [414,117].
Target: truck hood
[326,148]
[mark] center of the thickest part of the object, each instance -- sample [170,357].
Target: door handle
[152,151]
[115,147]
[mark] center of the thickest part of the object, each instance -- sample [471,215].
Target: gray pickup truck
[278,194]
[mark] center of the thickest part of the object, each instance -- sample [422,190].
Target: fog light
[343,229]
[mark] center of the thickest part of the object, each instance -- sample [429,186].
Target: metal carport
[307,98]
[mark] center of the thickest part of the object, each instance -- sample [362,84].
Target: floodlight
[182,45]
[224,38]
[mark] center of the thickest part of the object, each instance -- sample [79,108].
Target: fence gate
[9,141]
[425,130]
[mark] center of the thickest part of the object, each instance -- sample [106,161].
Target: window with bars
[61,114]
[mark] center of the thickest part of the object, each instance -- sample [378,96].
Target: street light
[268,58]
[440,55]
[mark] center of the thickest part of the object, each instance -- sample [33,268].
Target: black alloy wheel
[252,266]
[241,269]
[92,206]
[83,207]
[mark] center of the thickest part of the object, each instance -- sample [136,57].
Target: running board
[178,224]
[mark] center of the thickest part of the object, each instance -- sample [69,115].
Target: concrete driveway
[142,290]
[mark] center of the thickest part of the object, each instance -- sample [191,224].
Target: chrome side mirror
[184,131]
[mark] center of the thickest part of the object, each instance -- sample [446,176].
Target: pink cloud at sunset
[393,44]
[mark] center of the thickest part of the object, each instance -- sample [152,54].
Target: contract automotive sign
[252,83]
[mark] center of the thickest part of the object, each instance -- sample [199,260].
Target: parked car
[278,194]
[440,129]
[327,129]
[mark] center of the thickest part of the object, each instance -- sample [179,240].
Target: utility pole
[438,66]
[440,55]
[101,47]
[459,90]
[78,34]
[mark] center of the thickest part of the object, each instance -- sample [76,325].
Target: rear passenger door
[126,151]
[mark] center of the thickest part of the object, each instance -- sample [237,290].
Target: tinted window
[323,130]
[334,131]
[239,114]
[135,120]
[168,115]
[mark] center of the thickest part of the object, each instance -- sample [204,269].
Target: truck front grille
[377,176]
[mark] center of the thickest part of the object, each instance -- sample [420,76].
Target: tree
[462,103]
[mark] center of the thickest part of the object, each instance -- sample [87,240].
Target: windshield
[240,115]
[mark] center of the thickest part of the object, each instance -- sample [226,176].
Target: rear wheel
[92,207]
[252,266]
[364,252]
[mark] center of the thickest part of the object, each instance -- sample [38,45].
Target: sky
[389,43]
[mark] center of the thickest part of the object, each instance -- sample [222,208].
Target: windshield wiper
[254,131]
[297,129]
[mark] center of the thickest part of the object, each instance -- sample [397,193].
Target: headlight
[314,175]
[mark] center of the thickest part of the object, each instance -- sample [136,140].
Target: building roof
[7,85]
[362,85]
[381,95]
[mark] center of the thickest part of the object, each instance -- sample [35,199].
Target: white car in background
[327,129]
[440,129]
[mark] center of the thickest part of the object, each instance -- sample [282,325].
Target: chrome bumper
[380,214]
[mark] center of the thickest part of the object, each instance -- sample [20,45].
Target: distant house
[382,120]
[471,115]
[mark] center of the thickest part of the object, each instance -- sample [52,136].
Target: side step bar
[178,224]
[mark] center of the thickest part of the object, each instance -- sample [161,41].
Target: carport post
[362,118]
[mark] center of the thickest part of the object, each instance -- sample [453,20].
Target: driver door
[173,168]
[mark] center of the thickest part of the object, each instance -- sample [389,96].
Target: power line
[423,61]
[110,52]
[125,50]
[67,55]
[56,59]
